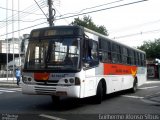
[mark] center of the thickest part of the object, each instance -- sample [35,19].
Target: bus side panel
[100,75]
[109,84]
[141,75]
[92,78]
[127,82]
[120,76]
[90,82]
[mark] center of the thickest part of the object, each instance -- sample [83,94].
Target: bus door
[90,62]
[90,82]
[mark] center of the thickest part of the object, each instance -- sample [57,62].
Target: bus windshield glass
[54,54]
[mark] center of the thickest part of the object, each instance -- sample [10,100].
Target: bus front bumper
[70,91]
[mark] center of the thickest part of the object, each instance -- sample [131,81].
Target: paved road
[13,104]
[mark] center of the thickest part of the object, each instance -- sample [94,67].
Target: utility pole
[51,16]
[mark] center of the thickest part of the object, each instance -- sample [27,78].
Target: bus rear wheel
[135,85]
[99,94]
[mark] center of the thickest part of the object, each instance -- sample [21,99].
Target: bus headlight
[66,80]
[71,80]
[29,79]
[24,79]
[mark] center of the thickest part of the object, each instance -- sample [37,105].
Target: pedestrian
[18,75]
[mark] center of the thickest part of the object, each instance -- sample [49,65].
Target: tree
[88,23]
[152,48]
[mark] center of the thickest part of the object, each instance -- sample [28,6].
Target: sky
[131,24]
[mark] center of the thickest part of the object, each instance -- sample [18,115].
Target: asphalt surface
[145,103]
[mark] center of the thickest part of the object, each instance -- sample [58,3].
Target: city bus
[77,62]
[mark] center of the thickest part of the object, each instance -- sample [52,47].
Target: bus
[77,62]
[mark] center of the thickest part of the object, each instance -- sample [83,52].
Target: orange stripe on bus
[117,69]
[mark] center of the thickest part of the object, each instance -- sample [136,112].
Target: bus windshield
[54,54]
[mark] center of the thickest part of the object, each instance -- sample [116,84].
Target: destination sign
[58,32]
[54,32]
[35,34]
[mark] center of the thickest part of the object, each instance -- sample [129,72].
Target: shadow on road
[73,103]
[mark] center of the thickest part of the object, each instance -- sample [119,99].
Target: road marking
[6,91]
[51,117]
[130,96]
[9,90]
[148,82]
[150,101]
[152,95]
[16,89]
[144,88]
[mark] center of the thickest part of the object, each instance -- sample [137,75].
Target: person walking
[18,75]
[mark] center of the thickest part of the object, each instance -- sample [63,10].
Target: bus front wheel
[99,94]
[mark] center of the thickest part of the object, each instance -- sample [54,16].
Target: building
[13,50]
[153,69]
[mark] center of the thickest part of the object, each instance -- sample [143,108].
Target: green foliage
[152,48]
[88,23]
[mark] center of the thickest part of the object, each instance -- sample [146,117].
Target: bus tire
[135,85]
[55,99]
[99,94]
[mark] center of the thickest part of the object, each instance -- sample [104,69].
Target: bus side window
[92,53]
[105,50]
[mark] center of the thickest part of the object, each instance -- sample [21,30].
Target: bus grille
[45,90]
[47,83]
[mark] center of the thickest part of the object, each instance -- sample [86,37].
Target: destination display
[58,32]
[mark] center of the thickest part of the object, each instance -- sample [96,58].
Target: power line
[135,26]
[117,6]
[91,8]
[24,20]
[60,14]
[56,10]
[23,29]
[95,10]
[40,8]
[85,13]
[20,11]
[135,34]
[31,8]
